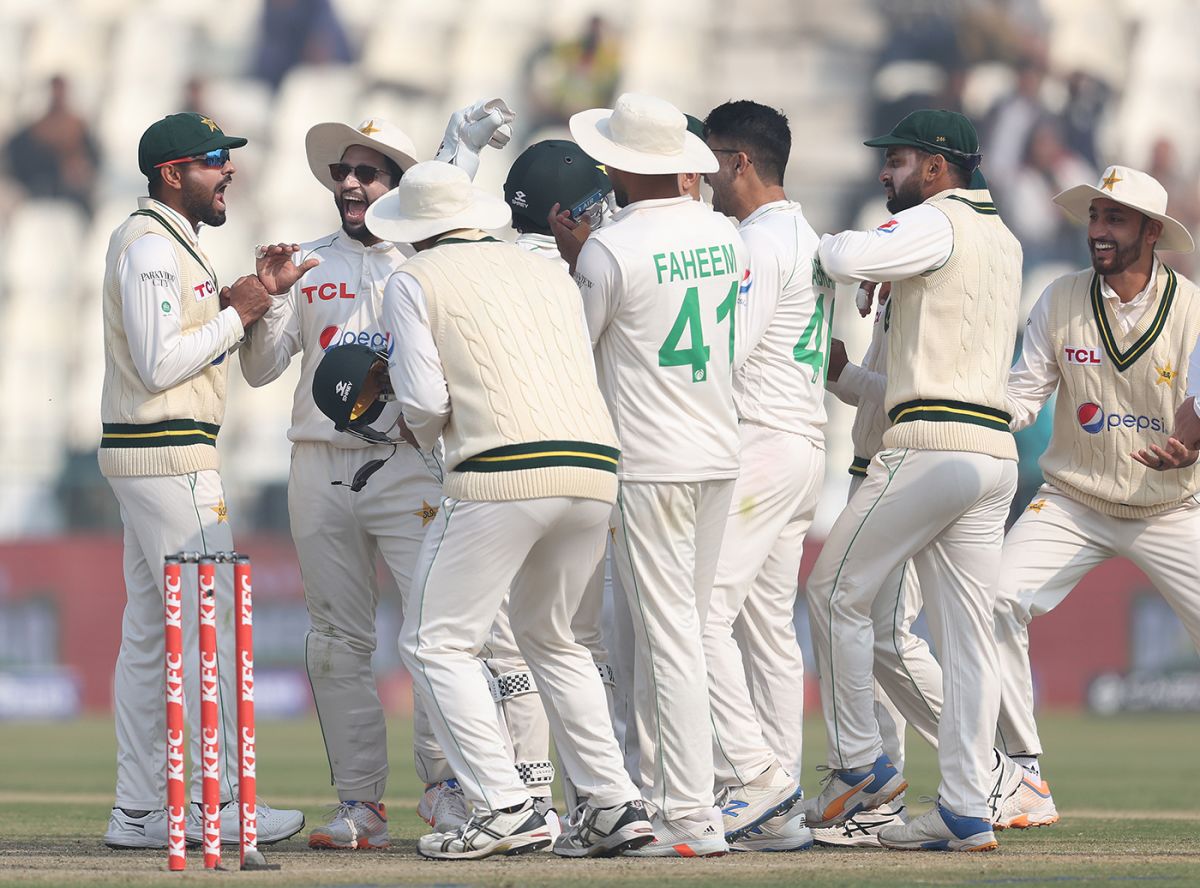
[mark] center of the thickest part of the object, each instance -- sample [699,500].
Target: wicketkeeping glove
[487,122]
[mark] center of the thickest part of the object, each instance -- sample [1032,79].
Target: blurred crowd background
[1057,88]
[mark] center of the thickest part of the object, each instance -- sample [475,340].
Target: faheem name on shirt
[699,262]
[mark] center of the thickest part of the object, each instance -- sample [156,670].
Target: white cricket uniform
[908,678]
[542,245]
[660,287]
[163,515]
[537,552]
[754,661]
[1059,538]
[939,489]
[339,533]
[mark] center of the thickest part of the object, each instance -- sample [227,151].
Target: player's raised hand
[569,234]
[1174,456]
[274,266]
[471,129]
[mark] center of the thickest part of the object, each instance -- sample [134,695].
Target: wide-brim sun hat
[644,135]
[325,143]
[431,199]
[1136,190]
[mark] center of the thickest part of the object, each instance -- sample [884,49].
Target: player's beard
[200,203]
[356,226]
[1121,257]
[905,195]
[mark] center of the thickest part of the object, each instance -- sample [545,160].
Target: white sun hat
[642,134]
[1136,190]
[327,142]
[433,198]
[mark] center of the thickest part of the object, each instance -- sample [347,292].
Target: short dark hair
[961,176]
[759,131]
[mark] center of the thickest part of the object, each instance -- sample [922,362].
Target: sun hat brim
[590,130]
[325,143]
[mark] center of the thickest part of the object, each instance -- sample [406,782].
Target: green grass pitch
[1128,789]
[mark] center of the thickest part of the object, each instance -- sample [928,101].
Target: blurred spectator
[295,32]
[1012,121]
[193,96]
[1087,98]
[1047,167]
[55,156]
[1185,196]
[573,75]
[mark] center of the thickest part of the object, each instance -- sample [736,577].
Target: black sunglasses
[365,173]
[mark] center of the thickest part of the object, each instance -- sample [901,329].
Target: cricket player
[660,289]
[168,329]
[496,362]
[340,528]
[939,489]
[1112,342]
[778,390]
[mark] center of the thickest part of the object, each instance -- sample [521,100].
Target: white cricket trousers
[1053,544]
[755,666]
[668,540]
[908,679]
[546,550]
[163,515]
[946,511]
[339,534]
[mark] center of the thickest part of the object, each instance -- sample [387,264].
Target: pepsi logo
[1091,417]
[334,335]
[889,226]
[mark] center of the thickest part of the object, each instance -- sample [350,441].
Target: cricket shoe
[787,832]
[1004,781]
[1030,805]
[696,835]
[605,832]
[862,830]
[126,831]
[752,804]
[273,825]
[497,832]
[846,792]
[360,825]
[940,830]
[443,806]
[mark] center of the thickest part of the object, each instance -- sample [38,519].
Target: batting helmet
[555,171]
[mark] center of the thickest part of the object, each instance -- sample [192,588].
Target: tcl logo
[204,290]
[327,291]
[1089,356]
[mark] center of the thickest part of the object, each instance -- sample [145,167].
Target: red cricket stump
[176,790]
[210,726]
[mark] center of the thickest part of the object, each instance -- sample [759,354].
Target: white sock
[1029,763]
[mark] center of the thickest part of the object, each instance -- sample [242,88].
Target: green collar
[1125,359]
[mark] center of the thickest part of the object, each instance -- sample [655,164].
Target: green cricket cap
[947,133]
[176,136]
[556,171]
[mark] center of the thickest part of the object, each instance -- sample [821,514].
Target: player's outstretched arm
[471,129]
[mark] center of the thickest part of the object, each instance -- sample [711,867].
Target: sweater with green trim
[527,418]
[951,337]
[1123,398]
[172,432]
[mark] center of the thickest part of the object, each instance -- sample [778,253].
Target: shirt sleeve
[1193,377]
[415,368]
[913,242]
[1036,374]
[272,342]
[758,296]
[148,274]
[863,384]
[599,279]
